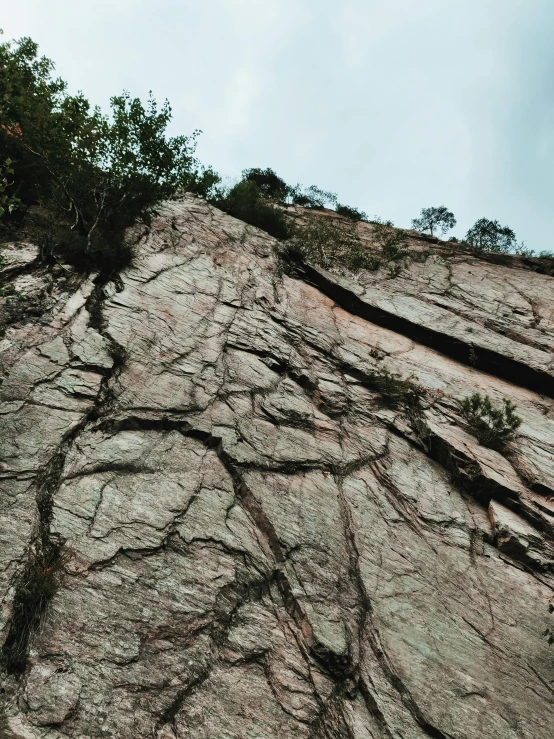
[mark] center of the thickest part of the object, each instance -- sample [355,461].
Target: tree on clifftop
[98,173]
[269,184]
[491,236]
[433,218]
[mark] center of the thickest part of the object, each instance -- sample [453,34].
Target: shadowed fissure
[484,359]
[37,584]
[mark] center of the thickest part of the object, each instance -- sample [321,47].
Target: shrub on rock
[493,427]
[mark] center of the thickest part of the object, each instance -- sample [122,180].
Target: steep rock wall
[255,543]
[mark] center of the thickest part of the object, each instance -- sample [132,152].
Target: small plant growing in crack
[37,585]
[40,578]
[494,427]
[290,258]
[330,245]
[391,241]
[94,307]
[395,389]
[7,290]
[394,270]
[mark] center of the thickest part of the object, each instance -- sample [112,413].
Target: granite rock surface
[255,539]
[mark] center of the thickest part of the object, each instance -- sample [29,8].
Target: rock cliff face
[252,539]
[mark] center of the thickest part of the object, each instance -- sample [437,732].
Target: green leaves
[395,389]
[245,201]
[30,116]
[8,202]
[434,218]
[312,197]
[269,184]
[489,235]
[97,172]
[493,427]
[124,163]
[330,244]
[336,244]
[392,241]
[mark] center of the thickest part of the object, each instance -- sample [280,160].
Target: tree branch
[61,183]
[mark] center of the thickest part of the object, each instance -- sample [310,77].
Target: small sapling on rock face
[494,427]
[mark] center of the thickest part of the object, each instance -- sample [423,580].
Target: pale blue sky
[393,104]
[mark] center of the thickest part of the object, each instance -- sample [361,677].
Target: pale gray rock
[253,540]
[89,345]
[15,256]
[516,537]
[51,693]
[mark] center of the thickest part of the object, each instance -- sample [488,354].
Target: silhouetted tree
[312,197]
[434,218]
[269,184]
[245,201]
[491,236]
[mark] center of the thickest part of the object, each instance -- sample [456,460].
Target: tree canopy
[101,172]
[431,219]
[488,235]
[312,197]
[269,184]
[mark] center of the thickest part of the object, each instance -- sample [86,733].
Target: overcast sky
[392,104]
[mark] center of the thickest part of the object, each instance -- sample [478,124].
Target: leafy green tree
[245,201]
[98,172]
[269,184]
[434,218]
[32,117]
[124,164]
[489,235]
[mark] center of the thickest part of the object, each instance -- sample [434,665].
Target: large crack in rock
[256,543]
[429,324]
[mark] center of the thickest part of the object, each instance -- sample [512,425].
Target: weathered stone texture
[256,544]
